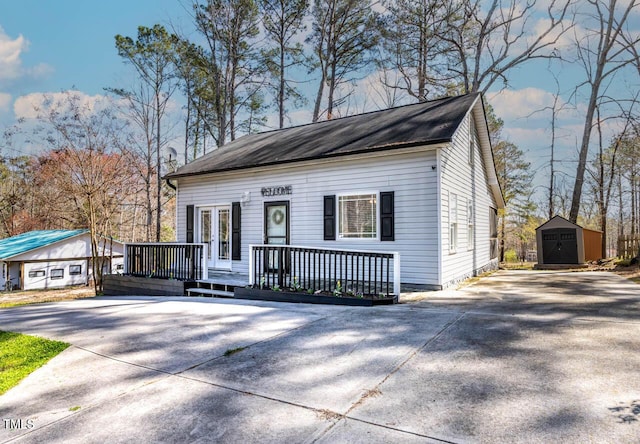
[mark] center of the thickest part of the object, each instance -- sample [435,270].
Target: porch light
[246,198]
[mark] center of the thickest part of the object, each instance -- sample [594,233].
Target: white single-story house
[418,180]
[51,259]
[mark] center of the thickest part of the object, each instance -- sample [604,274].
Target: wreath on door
[278,217]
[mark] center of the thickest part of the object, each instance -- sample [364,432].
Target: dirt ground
[36,296]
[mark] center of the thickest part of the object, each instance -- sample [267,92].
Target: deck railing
[178,261]
[366,273]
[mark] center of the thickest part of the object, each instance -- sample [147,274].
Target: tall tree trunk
[584,151]
[316,107]
[281,87]
[158,164]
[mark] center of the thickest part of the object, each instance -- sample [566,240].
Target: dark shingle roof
[418,124]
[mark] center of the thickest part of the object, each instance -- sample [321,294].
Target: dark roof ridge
[406,105]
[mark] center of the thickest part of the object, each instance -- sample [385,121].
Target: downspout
[438,168]
[170,185]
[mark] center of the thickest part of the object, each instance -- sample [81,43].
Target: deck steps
[198,291]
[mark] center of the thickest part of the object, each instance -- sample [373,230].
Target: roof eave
[487,152]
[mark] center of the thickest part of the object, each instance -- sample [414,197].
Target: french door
[215,226]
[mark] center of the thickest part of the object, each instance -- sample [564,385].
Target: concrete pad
[507,379]
[517,357]
[595,295]
[330,363]
[358,432]
[165,335]
[74,379]
[179,410]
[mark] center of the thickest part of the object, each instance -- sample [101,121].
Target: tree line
[242,60]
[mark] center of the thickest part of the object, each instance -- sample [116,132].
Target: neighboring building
[51,259]
[417,179]
[561,242]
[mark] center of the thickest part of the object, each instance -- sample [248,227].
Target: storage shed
[561,242]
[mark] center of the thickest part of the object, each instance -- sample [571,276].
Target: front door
[276,228]
[215,232]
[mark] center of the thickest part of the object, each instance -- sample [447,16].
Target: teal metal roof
[15,245]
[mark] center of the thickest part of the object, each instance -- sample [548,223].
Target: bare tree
[85,173]
[151,55]
[486,43]
[604,46]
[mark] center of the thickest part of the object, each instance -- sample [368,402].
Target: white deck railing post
[396,274]
[204,269]
[252,274]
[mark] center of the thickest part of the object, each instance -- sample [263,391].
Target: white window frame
[376,217]
[453,222]
[470,225]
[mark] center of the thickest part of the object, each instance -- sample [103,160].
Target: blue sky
[72,41]
[50,46]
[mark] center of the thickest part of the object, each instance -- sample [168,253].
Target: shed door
[560,246]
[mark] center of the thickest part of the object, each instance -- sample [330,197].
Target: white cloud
[10,50]
[5,101]
[33,105]
[11,67]
[522,103]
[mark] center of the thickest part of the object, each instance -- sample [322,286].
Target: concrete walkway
[518,357]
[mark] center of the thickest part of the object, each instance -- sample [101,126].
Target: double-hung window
[453,222]
[470,231]
[358,216]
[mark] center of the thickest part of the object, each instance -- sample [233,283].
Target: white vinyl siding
[412,177]
[470,225]
[467,179]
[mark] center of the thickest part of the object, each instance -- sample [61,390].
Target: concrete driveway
[517,357]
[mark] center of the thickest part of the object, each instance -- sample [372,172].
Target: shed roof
[558,221]
[15,245]
[423,123]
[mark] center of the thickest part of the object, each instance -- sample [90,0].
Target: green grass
[22,354]
[233,351]
[21,303]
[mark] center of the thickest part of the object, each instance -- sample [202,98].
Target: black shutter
[189,230]
[387,231]
[329,217]
[236,248]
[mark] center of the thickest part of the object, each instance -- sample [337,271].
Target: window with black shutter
[387,224]
[329,217]
[190,228]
